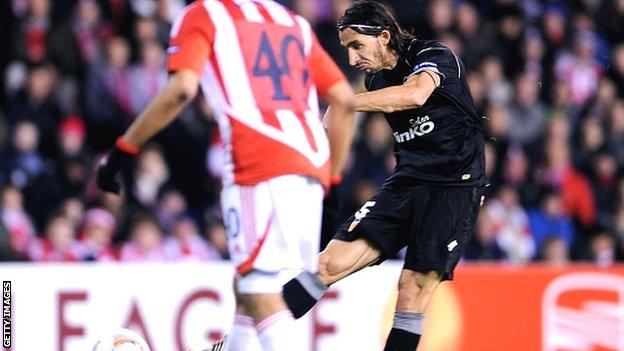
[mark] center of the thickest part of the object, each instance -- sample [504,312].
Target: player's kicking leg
[338,260]
[373,233]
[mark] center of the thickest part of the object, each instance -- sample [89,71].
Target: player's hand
[116,160]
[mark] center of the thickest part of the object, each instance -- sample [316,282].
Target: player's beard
[378,59]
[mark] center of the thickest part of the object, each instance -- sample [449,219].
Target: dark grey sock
[406,331]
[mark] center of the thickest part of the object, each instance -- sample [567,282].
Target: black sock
[401,340]
[405,333]
[302,293]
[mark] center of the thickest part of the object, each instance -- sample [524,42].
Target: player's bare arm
[412,94]
[179,90]
[339,121]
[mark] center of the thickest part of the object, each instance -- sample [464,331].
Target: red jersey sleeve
[324,71]
[192,36]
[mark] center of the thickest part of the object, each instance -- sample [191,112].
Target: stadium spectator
[146,242]
[604,180]
[96,235]
[499,90]
[516,173]
[615,133]
[73,208]
[510,225]
[554,27]
[533,52]
[561,103]
[217,237]
[498,131]
[579,69]
[478,90]
[41,37]
[73,161]
[510,27]
[36,103]
[484,246]
[526,112]
[171,205]
[25,168]
[611,15]
[558,127]
[186,243]
[618,229]
[440,17]
[167,11]
[147,76]
[58,243]
[554,251]
[151,28]
[90,30]
[476,40]
[550,220]
[592,141]
[16,221]
[599,106]
[30,39]
[146,30]
[615,70]
[559,173]
[107,104]
[150,176]
[603,248]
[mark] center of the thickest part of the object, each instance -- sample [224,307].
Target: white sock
[277,332]
[243,336]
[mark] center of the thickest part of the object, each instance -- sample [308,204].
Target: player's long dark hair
[370,18]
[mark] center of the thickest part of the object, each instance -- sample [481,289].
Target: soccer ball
[121,339]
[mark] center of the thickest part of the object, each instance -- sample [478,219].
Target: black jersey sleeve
[438,59]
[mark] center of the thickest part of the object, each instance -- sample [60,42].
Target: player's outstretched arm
[339,121]
[180,89]
[411,94]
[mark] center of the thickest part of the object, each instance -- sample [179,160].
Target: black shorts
[435,222]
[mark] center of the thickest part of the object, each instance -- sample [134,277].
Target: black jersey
[442,141]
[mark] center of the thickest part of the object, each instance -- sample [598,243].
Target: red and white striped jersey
[261,70]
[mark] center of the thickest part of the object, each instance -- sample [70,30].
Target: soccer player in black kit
[431,201]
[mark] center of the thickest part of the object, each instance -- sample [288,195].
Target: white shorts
[272,227]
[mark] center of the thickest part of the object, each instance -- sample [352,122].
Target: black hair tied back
[369,17]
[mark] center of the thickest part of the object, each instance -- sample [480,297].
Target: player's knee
[246,302]
[330,268]
[240,308]
[261,306]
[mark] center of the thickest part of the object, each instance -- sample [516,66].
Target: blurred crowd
[547,77]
